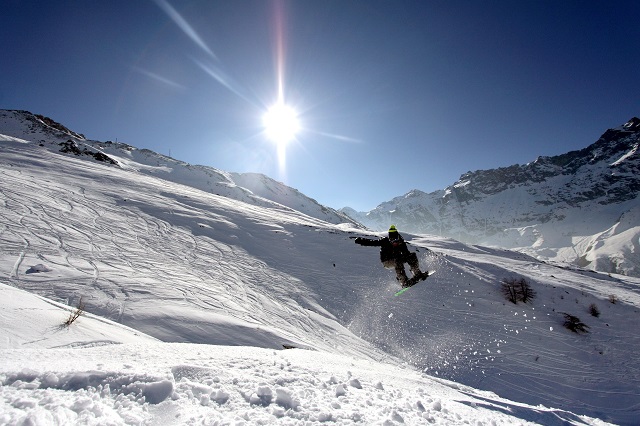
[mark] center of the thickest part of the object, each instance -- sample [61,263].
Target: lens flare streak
[183,25]
[224,79]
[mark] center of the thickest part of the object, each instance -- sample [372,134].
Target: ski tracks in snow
[112,249]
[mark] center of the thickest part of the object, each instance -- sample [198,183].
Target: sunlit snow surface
[98,372]
[233,279]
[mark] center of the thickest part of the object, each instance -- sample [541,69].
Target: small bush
[509,290]
[593,310]
[517,289]
[573,323]
[525,291]
[613,299]
[74,315]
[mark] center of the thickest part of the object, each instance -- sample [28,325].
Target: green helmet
[392,228]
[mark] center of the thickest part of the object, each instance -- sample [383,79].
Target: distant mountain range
[581,207]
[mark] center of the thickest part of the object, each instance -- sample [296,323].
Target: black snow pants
[414,265]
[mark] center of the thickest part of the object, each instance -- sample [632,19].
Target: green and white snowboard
[414,280]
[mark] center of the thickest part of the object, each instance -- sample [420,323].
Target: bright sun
[281,124]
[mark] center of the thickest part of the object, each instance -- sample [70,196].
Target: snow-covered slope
[189,266]
[247,187]
[569,208]
[30,321]
[98,372]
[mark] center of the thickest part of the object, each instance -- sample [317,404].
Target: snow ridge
[251,188]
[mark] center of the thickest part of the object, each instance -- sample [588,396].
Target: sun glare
[281,124]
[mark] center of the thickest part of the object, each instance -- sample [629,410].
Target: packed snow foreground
[96,371]
[203,302]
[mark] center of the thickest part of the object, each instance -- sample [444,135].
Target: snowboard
[414,280]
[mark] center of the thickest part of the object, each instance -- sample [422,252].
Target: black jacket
[389,249]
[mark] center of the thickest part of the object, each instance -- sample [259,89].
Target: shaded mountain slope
[567,208]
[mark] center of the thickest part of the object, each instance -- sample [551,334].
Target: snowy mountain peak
[549,208]
[34,127]
[632,125]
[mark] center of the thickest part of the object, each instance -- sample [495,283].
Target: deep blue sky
[392,95]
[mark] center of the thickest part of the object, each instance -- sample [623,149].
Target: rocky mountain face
[251,188]
[582,207]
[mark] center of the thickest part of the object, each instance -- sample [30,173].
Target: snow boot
[403,280]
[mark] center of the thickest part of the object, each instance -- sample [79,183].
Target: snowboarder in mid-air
[394,254]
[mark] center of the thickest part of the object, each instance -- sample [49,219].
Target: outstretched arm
[367,242]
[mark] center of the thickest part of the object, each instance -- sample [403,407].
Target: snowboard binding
[415,279]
